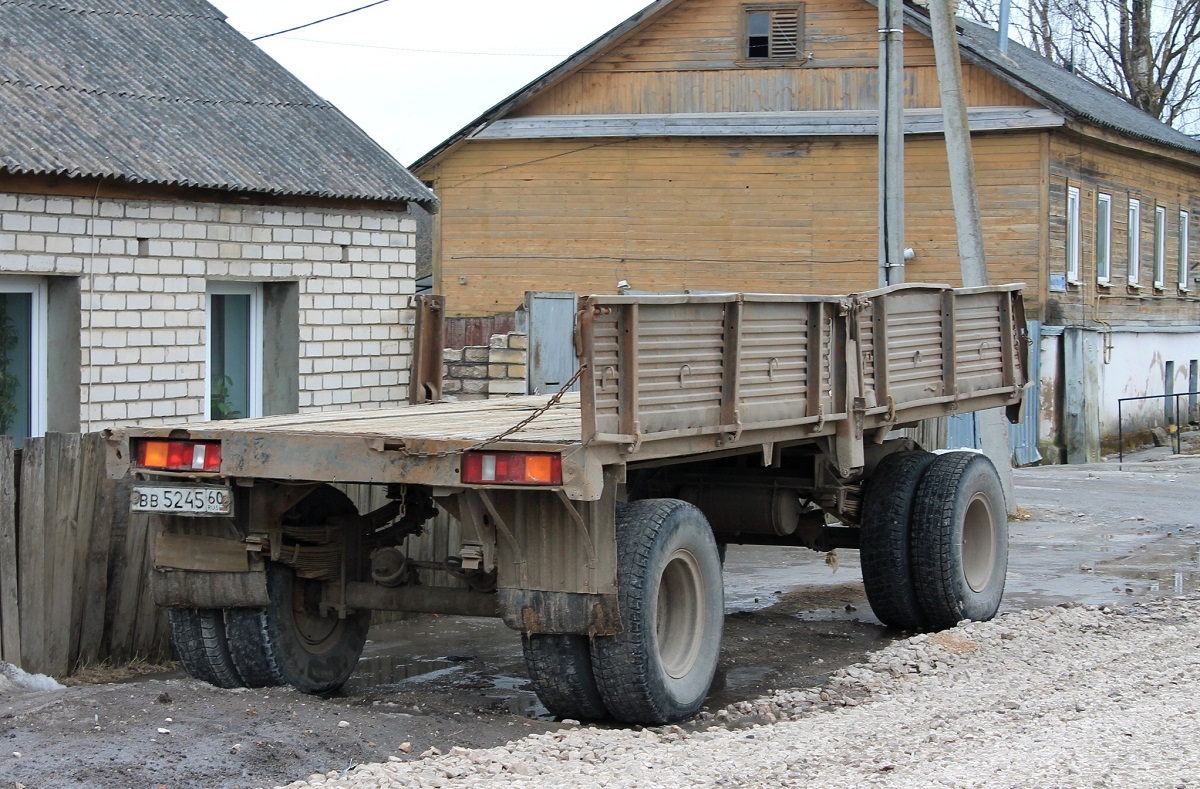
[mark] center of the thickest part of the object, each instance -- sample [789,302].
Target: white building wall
[1136,367]
[1129,362]
[144,266]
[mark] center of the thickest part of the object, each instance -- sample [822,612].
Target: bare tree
[1145,51]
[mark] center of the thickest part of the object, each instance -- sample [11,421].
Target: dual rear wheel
[934,540]
[290,642]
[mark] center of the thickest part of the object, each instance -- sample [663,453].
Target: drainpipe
[891,142]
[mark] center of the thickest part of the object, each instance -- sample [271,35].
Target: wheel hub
[979,542]
[680,624]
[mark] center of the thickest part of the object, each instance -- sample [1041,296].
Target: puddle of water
[388,669]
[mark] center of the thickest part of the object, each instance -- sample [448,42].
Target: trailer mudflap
[190,589]
[536,611]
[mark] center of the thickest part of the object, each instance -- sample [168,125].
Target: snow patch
[13,679]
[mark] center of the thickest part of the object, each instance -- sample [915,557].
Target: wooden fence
[74,565]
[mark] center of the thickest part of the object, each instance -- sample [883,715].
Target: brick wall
[143,268]
[482,372]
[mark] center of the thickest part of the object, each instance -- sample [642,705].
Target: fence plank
[129,580]
[117,566]
[95,579]
[140,596]
[31,547]
[10,623]
[90,476]
[62,537]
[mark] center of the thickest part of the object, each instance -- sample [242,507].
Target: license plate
[182,499]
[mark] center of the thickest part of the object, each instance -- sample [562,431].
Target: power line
[319,21]
[426,51]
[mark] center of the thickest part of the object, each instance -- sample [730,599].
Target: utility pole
[965,197]
[891,142]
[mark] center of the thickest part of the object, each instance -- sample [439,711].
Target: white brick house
[267,268]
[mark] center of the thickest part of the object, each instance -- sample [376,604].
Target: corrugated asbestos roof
[1061,90]
[1039,78]
[166,92]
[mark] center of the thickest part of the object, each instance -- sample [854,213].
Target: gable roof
[1057,88]
[167,92]
[1039,78]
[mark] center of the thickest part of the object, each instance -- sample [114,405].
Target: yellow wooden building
[726,145]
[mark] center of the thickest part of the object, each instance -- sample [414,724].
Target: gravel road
[1066,696]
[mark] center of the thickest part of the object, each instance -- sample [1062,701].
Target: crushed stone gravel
[1074,696]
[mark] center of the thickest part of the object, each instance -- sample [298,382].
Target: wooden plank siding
[1095,167]
[808,87]
[704,34]
[765,215]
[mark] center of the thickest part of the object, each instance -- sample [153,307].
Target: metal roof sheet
[167,92]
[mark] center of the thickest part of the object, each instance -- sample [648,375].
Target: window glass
[1103,238]
[1073,234]
[234,350]
[758,29]
[1184,243]
[230,397]
[1160,246]
[16,366]
[1135,241]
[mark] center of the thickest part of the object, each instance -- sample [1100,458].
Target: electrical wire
[427,51]
[319,21]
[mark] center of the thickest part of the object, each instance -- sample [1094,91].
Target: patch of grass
[107,672]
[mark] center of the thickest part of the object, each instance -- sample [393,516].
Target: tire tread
[622,669]
[885,539]
[560,667]
[936,541]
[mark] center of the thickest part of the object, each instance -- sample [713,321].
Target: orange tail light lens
[178,455]
[512,468]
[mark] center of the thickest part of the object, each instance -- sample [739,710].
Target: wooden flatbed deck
[452,423]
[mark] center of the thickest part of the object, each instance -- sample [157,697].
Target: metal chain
[553,401]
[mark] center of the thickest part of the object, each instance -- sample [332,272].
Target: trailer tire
[198,635]
[959,540]
[560,667]
[659,668]
[246,629]
[313,653]
[884,539]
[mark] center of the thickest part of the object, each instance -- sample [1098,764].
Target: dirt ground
[1093,534]
[171,731]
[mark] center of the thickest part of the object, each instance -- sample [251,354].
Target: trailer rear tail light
[512,468]
[179,455]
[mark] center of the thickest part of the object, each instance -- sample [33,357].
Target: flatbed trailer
[595,522]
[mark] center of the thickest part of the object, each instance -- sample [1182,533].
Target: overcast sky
[412,72]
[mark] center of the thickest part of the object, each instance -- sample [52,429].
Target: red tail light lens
[512,468]
[178,455]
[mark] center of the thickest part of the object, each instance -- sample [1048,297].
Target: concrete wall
[143,268]
[1086,371]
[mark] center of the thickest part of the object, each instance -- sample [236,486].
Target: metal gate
[1023,437]
[551,325]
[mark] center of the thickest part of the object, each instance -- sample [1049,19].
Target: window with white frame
[1134,270]
[1183,250]
[1103,238]
[233,384]
[22,358]
[1160,246]
[1073,234]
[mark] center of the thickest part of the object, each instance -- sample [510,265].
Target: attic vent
[773,32]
